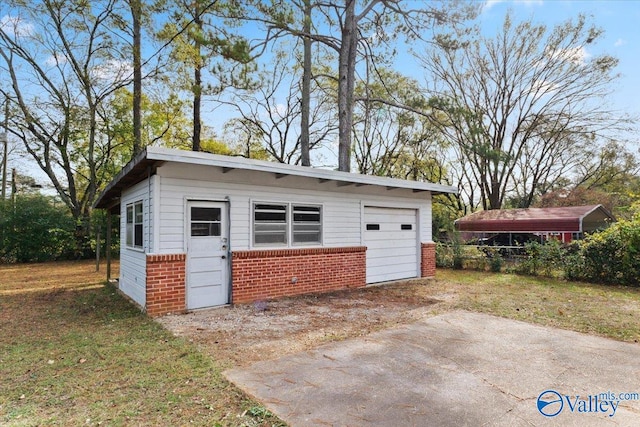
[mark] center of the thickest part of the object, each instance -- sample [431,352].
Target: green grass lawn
[610,311]
[74,352]
[86,356]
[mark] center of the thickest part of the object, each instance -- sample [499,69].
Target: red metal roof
[562,219]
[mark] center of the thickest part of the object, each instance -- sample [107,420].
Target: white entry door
[207,255]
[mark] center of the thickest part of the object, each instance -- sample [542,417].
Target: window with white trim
[270,224]
[135,219]
[307,224]
[284,224]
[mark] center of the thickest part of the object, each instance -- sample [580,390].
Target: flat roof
[138,169]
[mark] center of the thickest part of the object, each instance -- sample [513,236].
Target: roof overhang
[143,165]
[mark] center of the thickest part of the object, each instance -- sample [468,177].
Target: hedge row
[611,256]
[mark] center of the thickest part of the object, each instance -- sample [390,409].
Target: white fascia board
[199,158]
[586,214]
[596,208]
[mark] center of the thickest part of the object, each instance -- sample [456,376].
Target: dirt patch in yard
[242,334]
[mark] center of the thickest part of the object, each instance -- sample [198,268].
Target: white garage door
[392,245]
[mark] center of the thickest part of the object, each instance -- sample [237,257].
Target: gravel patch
[242,334]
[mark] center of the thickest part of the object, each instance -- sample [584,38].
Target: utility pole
[14,186]
[5,138]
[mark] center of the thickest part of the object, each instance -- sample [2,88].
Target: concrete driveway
[456,369]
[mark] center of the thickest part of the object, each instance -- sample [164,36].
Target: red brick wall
[428,263]
[165,284]
[265,274]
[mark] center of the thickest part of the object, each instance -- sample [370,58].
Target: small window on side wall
[134,227]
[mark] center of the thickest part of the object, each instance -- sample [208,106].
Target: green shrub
[459,256]
[34,229]
[530,262]
[444,255]
[495,259]
[456,247]
[573,262]
[613,255]
[543,259]
[450,255]
[473,258]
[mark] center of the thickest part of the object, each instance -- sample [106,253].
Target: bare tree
[270,116]
[519,109]
[305,98]
[392,140]
[62,62]
[610,177]
[348,25]
[136,18]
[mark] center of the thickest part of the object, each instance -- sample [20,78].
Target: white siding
[165,198]
[342,206]
[341,216]
[133,262]
[425,221]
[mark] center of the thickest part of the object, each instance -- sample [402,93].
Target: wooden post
[98,249]
[108,244]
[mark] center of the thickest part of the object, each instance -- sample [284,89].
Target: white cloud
[16,26]
[112,70]
[491,3]
[531,2]
[280,110]
[620,42]
[55,60]
[577,55]
[543,87]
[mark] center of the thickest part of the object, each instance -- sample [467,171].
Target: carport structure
[561,223]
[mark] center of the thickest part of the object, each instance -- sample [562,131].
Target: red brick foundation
[428,261]
[265,274]
[165,284]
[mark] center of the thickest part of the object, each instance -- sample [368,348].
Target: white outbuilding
[201,230]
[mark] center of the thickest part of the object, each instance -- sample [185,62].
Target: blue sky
[620,21]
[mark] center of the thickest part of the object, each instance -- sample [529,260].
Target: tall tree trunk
[305,106]
[346,84]
[5,148]
[197,81]
[83,236]
[197,101]
[136,12]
